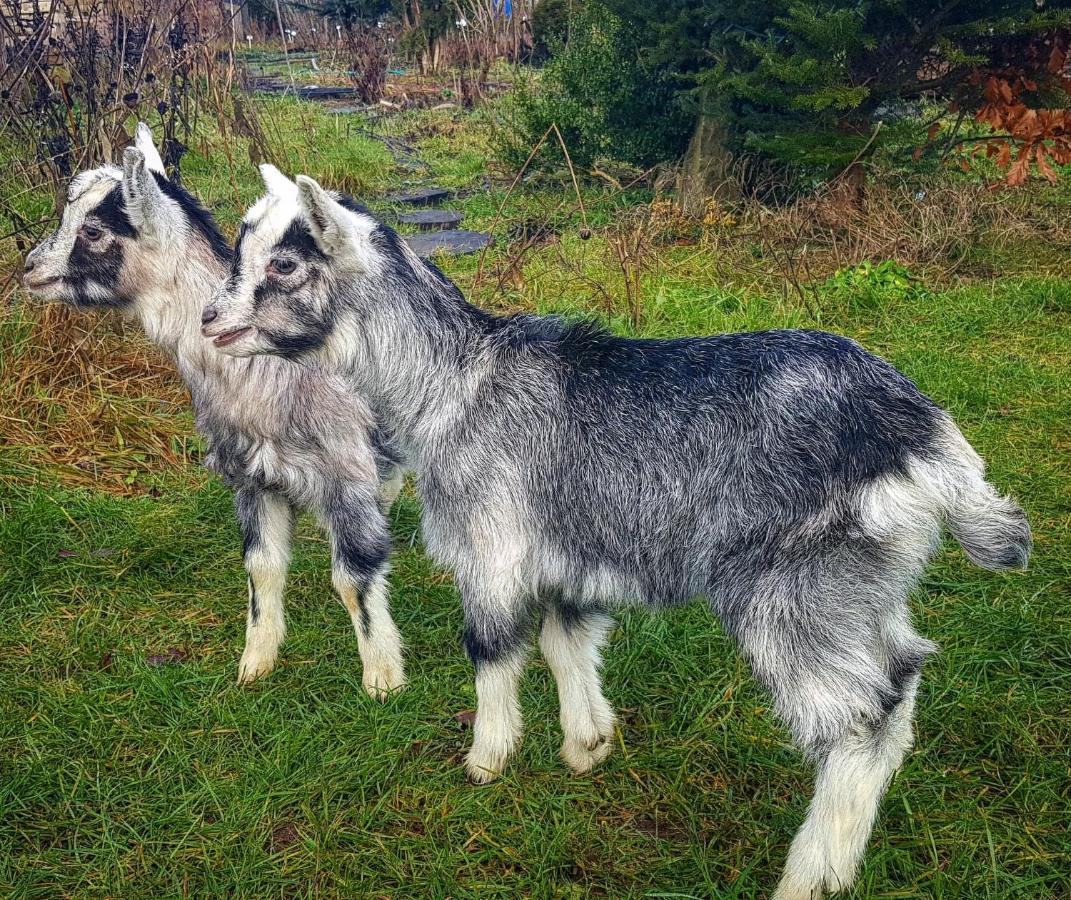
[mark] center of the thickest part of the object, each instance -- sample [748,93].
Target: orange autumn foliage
[1025,134]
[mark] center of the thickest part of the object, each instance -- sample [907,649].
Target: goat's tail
[991,528]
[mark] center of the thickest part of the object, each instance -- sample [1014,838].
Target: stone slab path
[437,228]
[454,242]
[432,219]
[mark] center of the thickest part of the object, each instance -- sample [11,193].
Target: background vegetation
[130,762]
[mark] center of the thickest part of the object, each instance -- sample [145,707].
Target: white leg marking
[826,851]
[572,654]
[378,642]
[390,489]
[499,727]
[266,564]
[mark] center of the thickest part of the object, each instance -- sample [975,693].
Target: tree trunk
[707,169]
[245,18]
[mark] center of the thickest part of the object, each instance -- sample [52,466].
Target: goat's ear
[330,223]
[142,196]
[276,182]
[144,142]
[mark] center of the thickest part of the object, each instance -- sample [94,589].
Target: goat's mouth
[40,284]
[229,337]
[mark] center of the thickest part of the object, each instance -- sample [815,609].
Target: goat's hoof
[254,666]
[795,892]
[380,683]
[583,756]
[482,770]
[790,888]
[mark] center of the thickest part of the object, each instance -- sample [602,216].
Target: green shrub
[605,101]
[796,82]
[870,284]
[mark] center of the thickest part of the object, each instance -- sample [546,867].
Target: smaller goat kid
[797,482]
[285,437]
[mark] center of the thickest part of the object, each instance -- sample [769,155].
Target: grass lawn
[131,764]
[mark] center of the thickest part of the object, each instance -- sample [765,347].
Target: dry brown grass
[942,231]
[88,399]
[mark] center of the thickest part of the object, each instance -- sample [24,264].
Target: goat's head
[301,253]
[123,234]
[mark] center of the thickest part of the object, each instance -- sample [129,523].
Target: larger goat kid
[283,436]
[793,479]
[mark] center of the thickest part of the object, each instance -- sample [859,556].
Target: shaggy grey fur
[793,479]
[284,437]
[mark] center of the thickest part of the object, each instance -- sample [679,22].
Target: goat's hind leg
[853,775]
[571,640]
[266,522]
[856,762]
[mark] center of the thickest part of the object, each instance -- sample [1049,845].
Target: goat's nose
[29,265]
[208,314]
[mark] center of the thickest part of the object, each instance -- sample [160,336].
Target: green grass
[120,778]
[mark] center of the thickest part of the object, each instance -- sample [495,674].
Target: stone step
[432,219]
[418,197]
[451,243]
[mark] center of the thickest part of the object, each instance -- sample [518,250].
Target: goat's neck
[418,359]
[170,315]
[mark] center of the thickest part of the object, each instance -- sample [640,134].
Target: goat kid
[797,482]
[284,437]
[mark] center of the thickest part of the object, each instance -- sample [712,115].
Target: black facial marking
[312,334]
[101,268]
[199,218]
[298,238]
[112,213]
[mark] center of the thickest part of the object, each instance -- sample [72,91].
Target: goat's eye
[92,233]
[281,266]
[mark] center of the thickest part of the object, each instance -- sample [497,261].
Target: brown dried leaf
[283,835]
[1057,59]
[1020,169]
[1004,155]
[170,657]
[1043,166]
[466,718]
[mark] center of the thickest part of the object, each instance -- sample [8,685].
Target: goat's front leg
[571,641]
[360,549]
[496,640]
[266,521]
